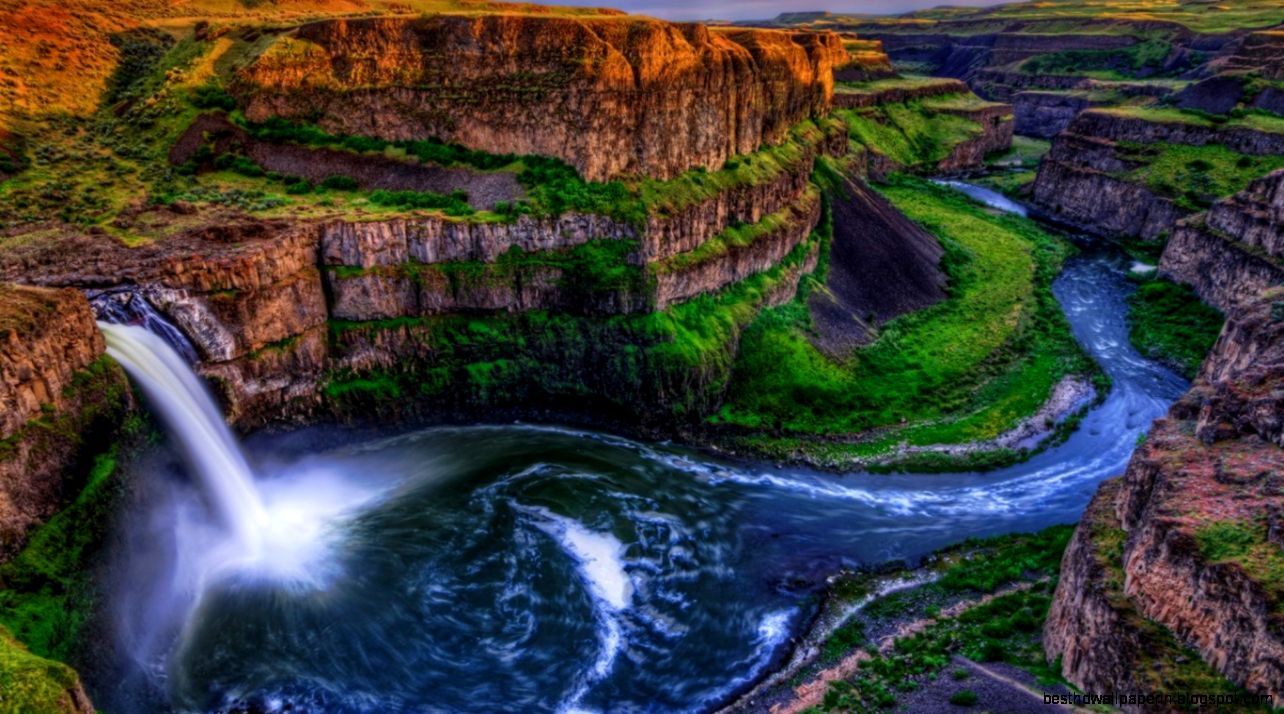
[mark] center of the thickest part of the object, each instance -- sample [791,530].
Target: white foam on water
[599,558]
[773,629]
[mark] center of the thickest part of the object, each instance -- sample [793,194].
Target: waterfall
[192,417]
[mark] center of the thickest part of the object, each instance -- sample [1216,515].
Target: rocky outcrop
[1116,126]
[1152,544]
[432,239]
[1100,203]
[604,94]
[57,389]
[997,128]
[736,254]
[1084,179]
[866,61]
[1261,51]
[1091,627]
[859,97]
[992,122]
[679,226]
[261,300]
[1044,114]
[49,336]
[1234,251]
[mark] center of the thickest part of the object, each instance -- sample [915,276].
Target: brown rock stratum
[609,96]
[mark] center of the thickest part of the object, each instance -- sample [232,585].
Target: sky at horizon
[764,9]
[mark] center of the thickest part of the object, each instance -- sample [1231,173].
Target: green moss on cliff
[671,364]
[29,683]
[913,134]
[1160,662]
[46,595]
[1194,176]
[1168,322]
[1245,544]
[46,591]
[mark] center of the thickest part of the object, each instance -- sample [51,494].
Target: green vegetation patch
[1146,57]
[912,134]
[1245,543]
[29,683]
[966,369]
[1006,629]
[46,593]
[1239,119]
[1194,177]
[760,167]
[46,590]
[738,236]
[552,186]
[1168,322]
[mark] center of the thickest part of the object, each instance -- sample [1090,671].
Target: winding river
[530,568]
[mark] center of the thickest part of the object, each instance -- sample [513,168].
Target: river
[534,568]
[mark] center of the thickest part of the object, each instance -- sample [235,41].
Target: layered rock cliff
[57,389]
[1185,550]
[605,95]
[1094,174]
[1235,250]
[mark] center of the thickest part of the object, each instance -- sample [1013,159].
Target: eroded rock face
[1081,182]
[52,372]
[258,299]
[1045,114]
[675,282]
[48,336]
[1091,627]
[1234,251]
[606,95]
[1216,461]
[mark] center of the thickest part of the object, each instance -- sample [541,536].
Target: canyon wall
[1235,250]
[605,95]
[279,309]
[57,389]
[1087,178]
[1185,550]
[1044,114]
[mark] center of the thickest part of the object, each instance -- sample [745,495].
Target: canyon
[381,219]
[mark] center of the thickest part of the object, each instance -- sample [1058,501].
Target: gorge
[476,356]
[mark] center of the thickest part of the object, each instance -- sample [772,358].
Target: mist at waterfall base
[525,568]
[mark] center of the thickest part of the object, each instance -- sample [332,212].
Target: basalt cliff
[603,94]
[1100,173]
[1180,559]
[1232,252]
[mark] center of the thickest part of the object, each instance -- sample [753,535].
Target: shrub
[965,698]
[213,97]
[243,165]
[301,186]
[340,183]
[456,204]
